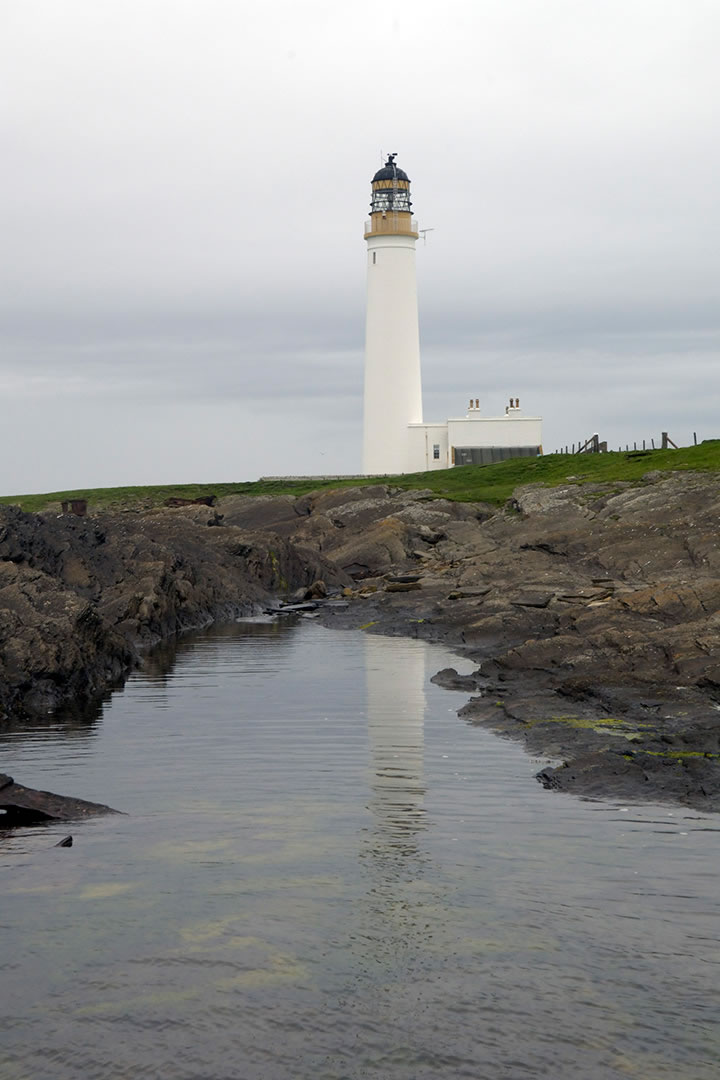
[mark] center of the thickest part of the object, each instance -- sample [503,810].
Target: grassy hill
[470,483]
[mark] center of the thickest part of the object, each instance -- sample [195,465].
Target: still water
[324,874]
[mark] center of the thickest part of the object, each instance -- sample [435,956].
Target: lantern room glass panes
[390,199]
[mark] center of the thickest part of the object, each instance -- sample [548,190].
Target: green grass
[470,483]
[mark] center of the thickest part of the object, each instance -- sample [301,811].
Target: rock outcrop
[593,613]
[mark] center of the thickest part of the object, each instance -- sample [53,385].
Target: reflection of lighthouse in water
[396,715]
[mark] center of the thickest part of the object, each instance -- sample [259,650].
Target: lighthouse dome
[390,171]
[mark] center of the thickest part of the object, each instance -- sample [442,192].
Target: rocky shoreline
[592,612]
[82,599]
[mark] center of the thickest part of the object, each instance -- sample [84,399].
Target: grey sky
[183,192]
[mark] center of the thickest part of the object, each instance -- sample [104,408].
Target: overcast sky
[183,190]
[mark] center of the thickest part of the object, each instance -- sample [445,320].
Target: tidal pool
[324,873]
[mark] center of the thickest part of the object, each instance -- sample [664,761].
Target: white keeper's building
[395,437]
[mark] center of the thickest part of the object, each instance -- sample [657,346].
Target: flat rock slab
[25,806]
[472,592]
[585,596]
[291,609]
[538,600]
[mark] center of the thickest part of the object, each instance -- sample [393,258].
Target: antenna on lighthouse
[395,188]
[423,234]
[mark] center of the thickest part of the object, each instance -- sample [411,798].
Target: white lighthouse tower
[393,388]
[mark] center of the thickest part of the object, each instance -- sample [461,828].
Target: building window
[374,257]
[436,451]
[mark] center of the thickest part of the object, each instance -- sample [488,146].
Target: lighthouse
[393,388]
